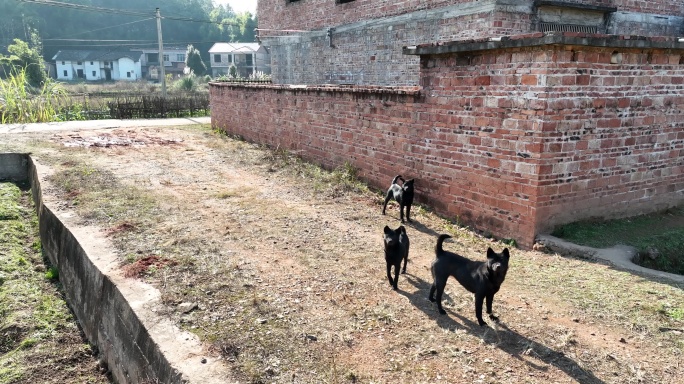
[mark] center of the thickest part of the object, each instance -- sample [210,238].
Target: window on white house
[180,57]
[217,58]
[248,60]
[230,58]
[65,73]
[62,63]
[94,74]
[91,63]
[128,74]
[166,57]
[78,63]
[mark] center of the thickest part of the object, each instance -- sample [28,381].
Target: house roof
[234,48]
[87,55]
[166,50]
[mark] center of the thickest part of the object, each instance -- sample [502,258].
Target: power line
[98,40]
[90,8]
[119,11]
[133,44]
[101,29]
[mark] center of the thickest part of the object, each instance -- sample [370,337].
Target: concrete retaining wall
[117,315]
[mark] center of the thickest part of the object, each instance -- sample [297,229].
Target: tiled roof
[84,55]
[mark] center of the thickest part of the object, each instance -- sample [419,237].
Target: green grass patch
[38,333]
[659,237]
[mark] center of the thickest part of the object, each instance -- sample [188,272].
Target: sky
[240,5]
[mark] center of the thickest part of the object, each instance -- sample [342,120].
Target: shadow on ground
[505,339]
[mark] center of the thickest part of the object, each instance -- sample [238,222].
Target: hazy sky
[240,5]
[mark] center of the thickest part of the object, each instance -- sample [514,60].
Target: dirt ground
[282,273]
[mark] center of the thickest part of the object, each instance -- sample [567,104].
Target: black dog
[483,278]
[396,249]
[402,194]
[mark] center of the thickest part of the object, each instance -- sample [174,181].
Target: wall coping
[548,38]
[332,88]
[567,4]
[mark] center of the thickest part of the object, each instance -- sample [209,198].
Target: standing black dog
[402,194]
[396,250]
[483,278]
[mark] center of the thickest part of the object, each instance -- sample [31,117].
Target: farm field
[282,265]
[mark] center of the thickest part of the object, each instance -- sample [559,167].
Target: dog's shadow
[417,225]
[505,339]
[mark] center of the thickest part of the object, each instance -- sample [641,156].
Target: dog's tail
[397,177]
[440,240]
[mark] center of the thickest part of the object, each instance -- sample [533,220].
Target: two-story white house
[173,59]
[98,65]
[248,58]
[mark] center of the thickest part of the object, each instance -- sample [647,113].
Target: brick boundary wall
[366,37]
[511,136]
[318,14]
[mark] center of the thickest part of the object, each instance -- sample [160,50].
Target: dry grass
[284,262]
[40,341]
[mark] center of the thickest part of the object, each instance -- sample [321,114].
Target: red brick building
[514,133]
[360,41]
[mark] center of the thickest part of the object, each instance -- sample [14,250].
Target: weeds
[658,237]
[52,273]
[22,103]
[37,330]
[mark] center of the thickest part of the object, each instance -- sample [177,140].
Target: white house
[98,65]
[247,58]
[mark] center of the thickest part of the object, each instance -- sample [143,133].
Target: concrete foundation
[118,315]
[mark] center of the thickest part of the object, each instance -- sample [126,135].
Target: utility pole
[161,55]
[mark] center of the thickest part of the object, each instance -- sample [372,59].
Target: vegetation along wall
[512,136]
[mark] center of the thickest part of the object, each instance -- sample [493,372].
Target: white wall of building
[64,70]
[126,69]
[92,70]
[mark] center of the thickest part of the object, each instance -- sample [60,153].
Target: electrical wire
[119,11]
[132,44]
[101,29]
[90,8]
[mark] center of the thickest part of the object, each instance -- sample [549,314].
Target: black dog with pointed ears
[403,194]
[483,278]
[396,250]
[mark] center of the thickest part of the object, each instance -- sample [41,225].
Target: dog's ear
[388,230]
[401,229]
[505,253]
[490,253]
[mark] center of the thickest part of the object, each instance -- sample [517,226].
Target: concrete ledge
[547,38]
[117,315]
[620,256]
[328,88]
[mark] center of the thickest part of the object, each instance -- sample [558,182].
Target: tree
[193,60]
[28,58]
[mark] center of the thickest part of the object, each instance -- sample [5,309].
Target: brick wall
[318,14]
[370,52]
[512,139]
[368,35]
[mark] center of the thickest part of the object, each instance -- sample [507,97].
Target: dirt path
[289,278]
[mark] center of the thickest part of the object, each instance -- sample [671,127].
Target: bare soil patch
[280,269]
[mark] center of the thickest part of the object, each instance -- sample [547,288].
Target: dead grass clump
[147,265]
